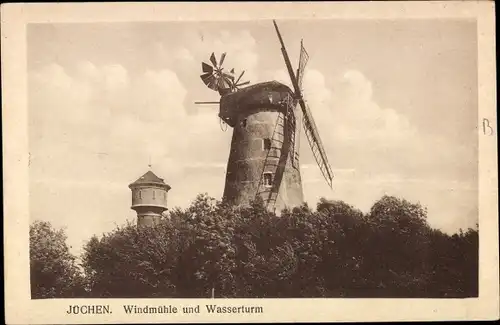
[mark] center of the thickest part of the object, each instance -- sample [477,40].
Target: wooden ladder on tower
[291,120]
[270,164]
[286,122]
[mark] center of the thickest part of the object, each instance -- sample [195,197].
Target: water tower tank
[149,198]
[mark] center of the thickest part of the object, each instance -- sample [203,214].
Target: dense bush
[335,251]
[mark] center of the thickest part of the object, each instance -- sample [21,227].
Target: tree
[208,254]
[248,252]
[265,260]
[346,242]
[54,272]
[133,262]
[400,246]
[454,264]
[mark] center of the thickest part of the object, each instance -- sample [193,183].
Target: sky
[395,102]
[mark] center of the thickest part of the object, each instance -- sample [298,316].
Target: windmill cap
[149,178]
[258,95]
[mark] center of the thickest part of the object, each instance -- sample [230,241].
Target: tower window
[266,144]
[154,194]
[268,179]
[139,196]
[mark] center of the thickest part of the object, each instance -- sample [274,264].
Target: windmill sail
[304,57]
[308,122]
[315,142]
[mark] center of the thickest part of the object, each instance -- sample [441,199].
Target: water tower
[149,198]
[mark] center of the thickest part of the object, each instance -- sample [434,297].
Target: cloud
[94,127]
[358,133]
[183,54]
[116,120]
[387,153]
[359,118]
[239,45]
[101,124]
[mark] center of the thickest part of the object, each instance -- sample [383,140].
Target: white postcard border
[21,310]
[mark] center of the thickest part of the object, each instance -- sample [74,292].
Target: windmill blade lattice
[235,84]
[315,143]
[214,76]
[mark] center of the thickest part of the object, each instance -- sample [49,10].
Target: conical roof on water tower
[149,178]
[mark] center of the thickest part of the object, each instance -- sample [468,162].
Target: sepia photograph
[253,158]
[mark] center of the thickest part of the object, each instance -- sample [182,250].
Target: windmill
[264,160]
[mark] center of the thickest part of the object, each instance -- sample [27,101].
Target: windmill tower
[266,119]
[149,198]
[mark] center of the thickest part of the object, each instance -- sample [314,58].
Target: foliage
[334,251]
[54,273]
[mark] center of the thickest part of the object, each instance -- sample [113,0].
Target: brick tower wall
[247,160]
